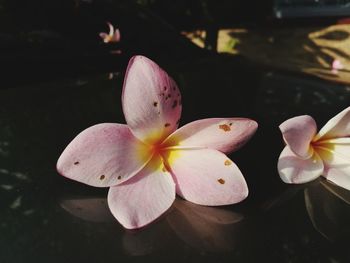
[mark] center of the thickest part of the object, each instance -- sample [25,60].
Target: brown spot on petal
[119,177]
[166,125]
[155,104]
[102,177]
[227,162]
[224,127]
[174,104]
[165,88]
[221,181]
[230,124]
[76,163]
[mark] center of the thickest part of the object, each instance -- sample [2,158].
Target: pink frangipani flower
[112,37]
[146,162]
[308,155]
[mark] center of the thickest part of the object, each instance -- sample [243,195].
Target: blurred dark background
[62,37]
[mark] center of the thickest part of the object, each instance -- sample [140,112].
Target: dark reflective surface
[47,218]
[51,98]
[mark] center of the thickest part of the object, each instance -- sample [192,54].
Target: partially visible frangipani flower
[113,36]
[309,154]
[146,162]
[336,65]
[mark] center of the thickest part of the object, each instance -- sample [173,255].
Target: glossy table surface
[48,218]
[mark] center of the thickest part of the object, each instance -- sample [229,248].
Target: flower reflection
[206,229]
[88,209]
[150,239]
[327,206]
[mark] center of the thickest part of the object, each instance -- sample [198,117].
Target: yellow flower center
[163,153]
[324,148]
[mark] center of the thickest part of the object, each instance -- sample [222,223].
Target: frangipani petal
[111,29]
[116,36]
[103,35]
[151,100]
[206,177]
[294,170]
[340,177]
[225,135]
[103,155]
[338,126]
[143,198]
[298,132]
[335,154]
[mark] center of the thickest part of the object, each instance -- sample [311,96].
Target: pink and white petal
[116,36]
[338,126]
[206,177]
[223,134]
[143,198]
[335,154]
[111,29]
[340,177]
[103,155]
[295,170]
[298,132]
[151,100]
[103,35]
